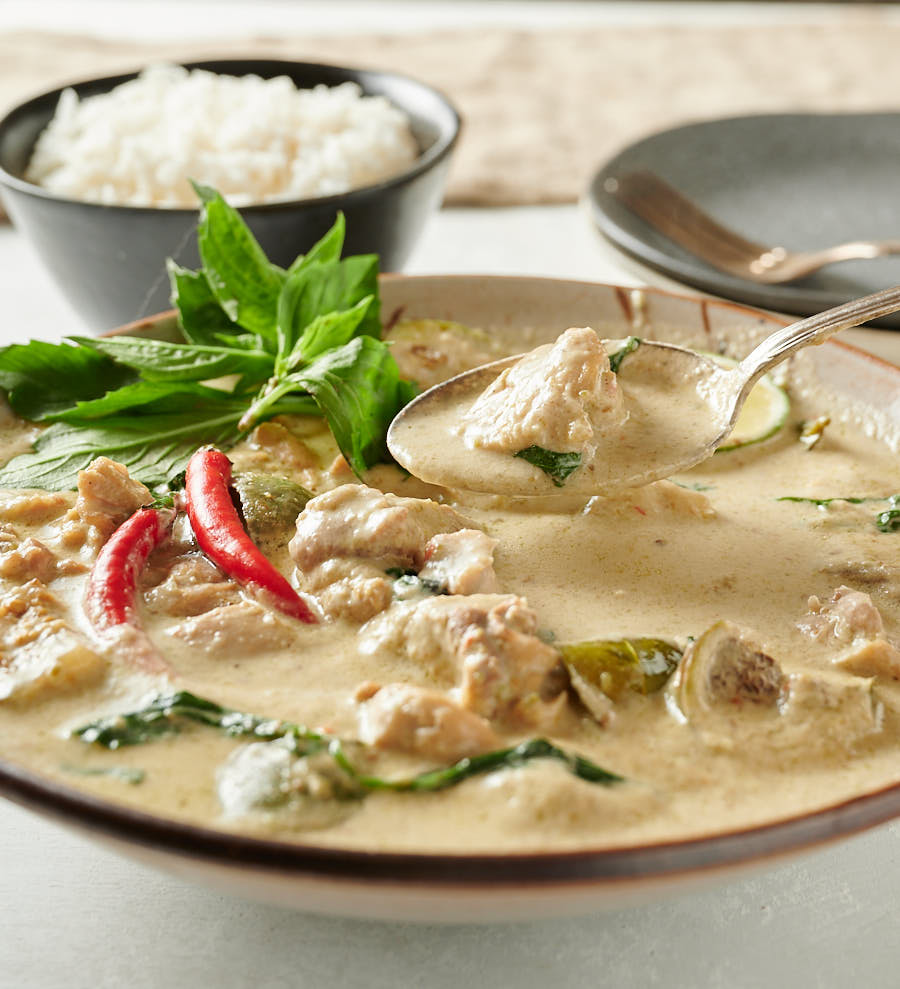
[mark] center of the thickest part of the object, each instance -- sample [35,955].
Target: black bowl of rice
[97,174]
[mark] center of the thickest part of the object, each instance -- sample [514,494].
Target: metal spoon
[426,440]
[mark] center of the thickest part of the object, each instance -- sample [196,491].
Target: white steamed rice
[255,140]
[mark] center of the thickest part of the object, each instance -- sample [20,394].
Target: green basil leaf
[167,714]
[242,341]
[359,390]
[329,331]
[629,347]
[152,447]
[200,316]
[325,250]
[245,283]
[41,379]
[889,519]
[319,289]
[161,361]
[557,466]
[150,398]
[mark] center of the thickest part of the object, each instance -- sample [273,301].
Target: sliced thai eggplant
[269,505]
[612,666]
[725,669]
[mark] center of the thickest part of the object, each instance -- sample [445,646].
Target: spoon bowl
[426,437]
[693,407]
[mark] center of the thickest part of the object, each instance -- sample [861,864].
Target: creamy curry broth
[663,561]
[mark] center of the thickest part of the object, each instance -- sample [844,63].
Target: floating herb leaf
[169,713]
[886,521]
[889,520]
[123,773]
[629,347]
[694,485]
[557,466]
[408,582]
[825,502]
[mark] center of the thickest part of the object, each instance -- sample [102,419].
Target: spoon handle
[814,330]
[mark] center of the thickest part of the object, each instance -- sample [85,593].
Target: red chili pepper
[221,535]
[112,586]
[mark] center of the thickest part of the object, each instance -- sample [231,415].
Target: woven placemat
[543,109]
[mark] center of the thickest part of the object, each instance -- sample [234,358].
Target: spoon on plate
[426,438]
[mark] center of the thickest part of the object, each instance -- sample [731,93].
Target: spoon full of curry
[683,405]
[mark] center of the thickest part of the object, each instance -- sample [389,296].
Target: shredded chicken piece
[851,620]
[235,630]
[829,711]
[29,557]
[285,449]
[107,496]
[561,397]
[461,562]
[357,590]
[421,722]
[40,655]
[273,449]
[349,538]
[361,522]
[193,586]
[33,507]
[486,642]
[658,498]
[847,615]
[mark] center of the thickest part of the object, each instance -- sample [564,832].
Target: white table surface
[73,915]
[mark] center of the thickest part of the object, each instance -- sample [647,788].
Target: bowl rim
[607,866]
[439,150]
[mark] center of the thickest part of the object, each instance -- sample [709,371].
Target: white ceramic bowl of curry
[708,793]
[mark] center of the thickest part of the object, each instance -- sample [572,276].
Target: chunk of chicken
[193,586]
[235,630]
[347,539]
[274,449]
[29,557]
[40,655]
[363,523]
[270,782]
[107,496]
[829,712]
[356,590]
[847,615]
[661,498]
[33,507]
[851,620]
[486,642]
[461,562]
[421,722]
[562,397]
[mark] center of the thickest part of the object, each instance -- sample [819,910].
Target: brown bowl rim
[606,867]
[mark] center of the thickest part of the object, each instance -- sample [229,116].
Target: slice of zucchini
[724,670]
[764,413]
